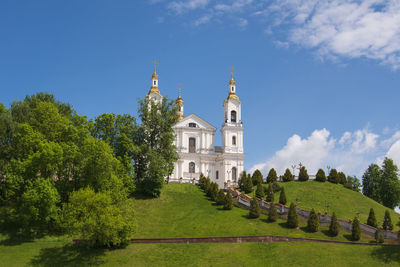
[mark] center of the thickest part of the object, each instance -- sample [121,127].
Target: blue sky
[318,80]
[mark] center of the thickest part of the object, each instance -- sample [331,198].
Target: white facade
[195,142]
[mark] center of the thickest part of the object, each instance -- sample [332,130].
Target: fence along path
[244,200]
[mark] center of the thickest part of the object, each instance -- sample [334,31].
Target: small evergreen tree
[272,176]
[257,177]
[387,221]
[276,187]
[333,176]
[228,204]
[254,209]
[320,176]
[334,226]
[260,191]
[220,197]
[371,218]
[272,213]
[282,197]
[242,180]
[292,219]
[303,175]
[379,236]
[342,178]
[248,186]
[356,230]
[207,186]
[213,191]
[313,222]
[288,176]
[270,194]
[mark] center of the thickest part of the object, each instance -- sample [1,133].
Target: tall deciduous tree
[353,183]
[272,176]
[371,182]
[390,184]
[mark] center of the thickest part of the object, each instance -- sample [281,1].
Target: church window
[192,167]
[192,125]
[216,175]
[233,116]
[192,145]
[232,88]
[234,174]
[234,140]
[154,82]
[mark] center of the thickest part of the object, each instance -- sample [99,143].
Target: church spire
[154,92]
[232,87]
[179,103]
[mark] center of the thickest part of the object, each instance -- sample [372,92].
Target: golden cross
[155,63]
[232,70]
[179,86]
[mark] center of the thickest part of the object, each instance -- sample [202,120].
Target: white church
[195,141]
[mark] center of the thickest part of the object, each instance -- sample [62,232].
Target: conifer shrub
[288,176]
[320,176]
[342,178]
[379,236]
[282,197]
[242,180]
[371,221]
[248,185]
[202,181]
[334,226]
[220,199]
[257,177]
[272,176]
[303,175]
[333,176]
[387,221]
[313,222]
[213,191]
[276,187]
[254,209]
[292,219]
[270,193]
[228,202]
[272,213]
[260,191]
[356,230]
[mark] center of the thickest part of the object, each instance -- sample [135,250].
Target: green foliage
[272,213]
[379,237]
[303,175]
[356,230]
[247,184]
[96,218]
[353,183]
[371,218]
[220,199]
[287,176]
[387,221]
[270,193]
[272,176]
[228,202]
[292,219]
[320,176]
[390,184]
[213,191]
[276,187]
[313,222]
[371,182]
[257,177]
[242,180]
[282,197]
[260,191]
[342,178]
[334,226]
[333,176]
[255,210]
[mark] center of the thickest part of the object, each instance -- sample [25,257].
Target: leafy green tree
[387,221]
[270,194]
[371,182]
[272,213]
[272,176]
[228,203]
[96,218]
[292,219]
[260,191]
[257,177]
[220,199]
[353,183]
[320,176]
[342,178]
[248,185]
[356,230]
[334,226]
[303,175]
[313,222]
[333,176]
[371,221]
[379,236]
[390,184]
[288,176]
[255,210]
[282,197]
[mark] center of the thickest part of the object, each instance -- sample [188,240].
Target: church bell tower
[154,93]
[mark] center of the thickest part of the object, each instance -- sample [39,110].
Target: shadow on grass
[348,237]
[14,238]
[68,255]
[327,233]
[386,254]
[140,196]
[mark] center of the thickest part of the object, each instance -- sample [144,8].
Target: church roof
[196,119]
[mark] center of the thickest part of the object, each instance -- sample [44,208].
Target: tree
[248,185]
[220,199]
[303,175]
[276,187]
[282,197]
[334,225]
[242,180]
[257,177]
[320,176]
[272,213]
[228,204]
[390,184]
[313,222]
[333,176]
[371,221]
[292,219]
[342,178]
[387,221]
[254,209]
[213,191]
[288,176]
[356,230]
[379,236]
[353,183]
[97,219]
[272,176]
[270,194]
[260,191]
[371,182]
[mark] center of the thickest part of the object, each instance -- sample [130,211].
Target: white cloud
[394,152]
[180,7]
[236,5]
[202,20]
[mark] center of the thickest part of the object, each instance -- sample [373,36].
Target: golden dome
[232,82]
[179,100]
[232,96]
[154,76]
[153,90]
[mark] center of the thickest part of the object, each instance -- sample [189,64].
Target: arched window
[234,173]
[192,145]
[233,116]
[192,167]
[232,88]
[216,175]
[154,82]
[234,140]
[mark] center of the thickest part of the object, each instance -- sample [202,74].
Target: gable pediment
[199,122]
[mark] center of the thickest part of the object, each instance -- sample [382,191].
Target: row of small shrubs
[215,194]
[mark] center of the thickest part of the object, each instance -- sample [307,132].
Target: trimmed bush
[228,203]
[292,219]
[270,194]
[333,176]
[272,213]
[371,218]
[282,197]
[213,191]
[257,177]
[260,191]
[334,226]
[288,176]
[254,209]
[356,230]
[242,180]
[272,176]
[313,222]
[320,177]
[379,236]
[303,175]
[387,221]
[220,197]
